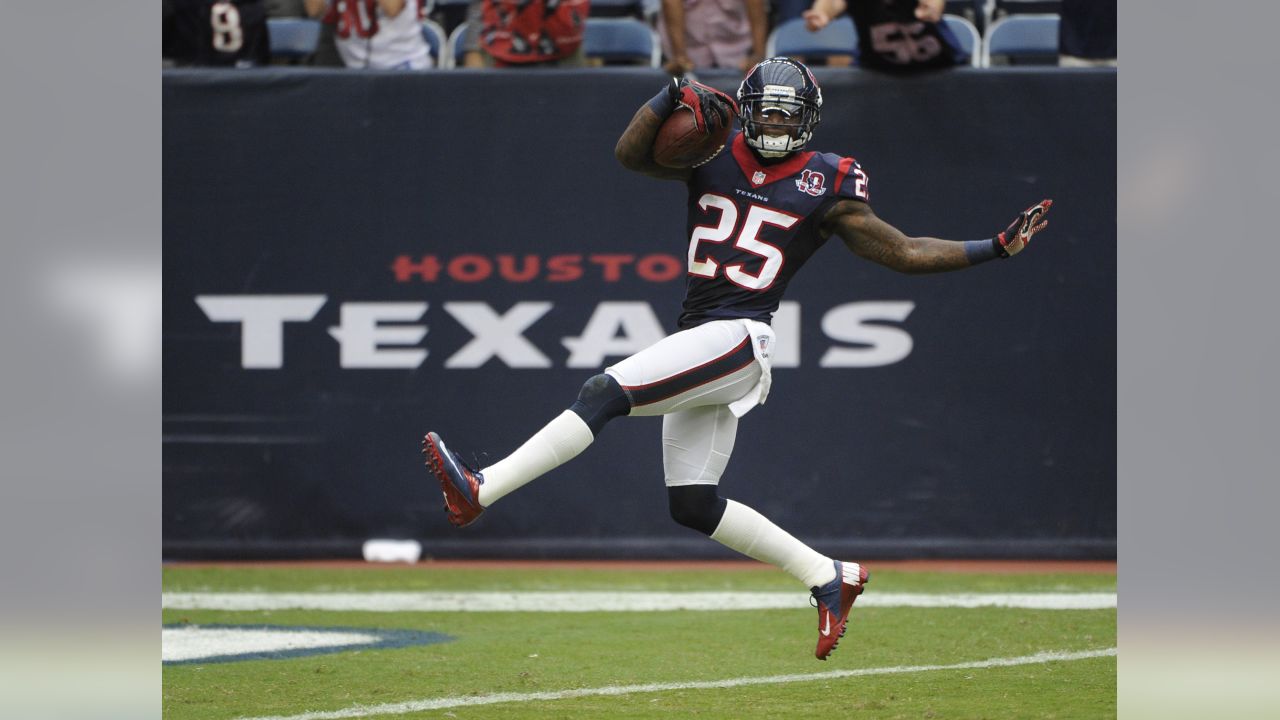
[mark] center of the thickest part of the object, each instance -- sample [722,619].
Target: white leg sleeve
[558,442]
[753,535]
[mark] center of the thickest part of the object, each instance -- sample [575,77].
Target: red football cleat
[835,600]
[459,482]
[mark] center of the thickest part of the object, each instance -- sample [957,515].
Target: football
[680,144]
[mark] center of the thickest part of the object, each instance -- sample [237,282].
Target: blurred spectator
[224,33]
[525,33]
[893,35]
[702,34]
[376,34]
[1087,33]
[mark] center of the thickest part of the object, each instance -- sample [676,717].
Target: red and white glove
[711,108]
[1018,235]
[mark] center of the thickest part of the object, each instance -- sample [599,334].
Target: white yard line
[613,601]
[411,706]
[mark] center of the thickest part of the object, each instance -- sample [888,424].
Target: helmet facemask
[781,104]
[776,123]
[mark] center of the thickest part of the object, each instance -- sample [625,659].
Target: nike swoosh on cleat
[827,630]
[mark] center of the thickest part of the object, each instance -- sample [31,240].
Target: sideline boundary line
[612,602]
[963,567]
[401,708]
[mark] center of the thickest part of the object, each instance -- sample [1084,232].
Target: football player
[756,213]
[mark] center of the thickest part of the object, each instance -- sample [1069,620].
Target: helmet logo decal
[811,182]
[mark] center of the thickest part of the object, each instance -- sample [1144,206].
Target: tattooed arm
[635,148]
[876,240]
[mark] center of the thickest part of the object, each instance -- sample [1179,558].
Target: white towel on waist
[762,345]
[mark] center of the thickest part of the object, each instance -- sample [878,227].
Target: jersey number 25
[747,240]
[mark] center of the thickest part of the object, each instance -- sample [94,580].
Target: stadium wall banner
[353,259]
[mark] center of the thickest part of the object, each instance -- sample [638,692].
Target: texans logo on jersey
[812,182]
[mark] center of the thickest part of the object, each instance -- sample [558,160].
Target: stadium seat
[453,47]
[610,39]
[449,14]
[621,40]
[994,10]
[1022,38]
[792,38]
[966,34]
[293,38]
[436,40]
[975,11]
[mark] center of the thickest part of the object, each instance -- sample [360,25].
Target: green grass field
[549,652]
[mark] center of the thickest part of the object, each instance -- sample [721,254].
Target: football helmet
[780,105]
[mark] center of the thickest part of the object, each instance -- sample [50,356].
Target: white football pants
[691,378]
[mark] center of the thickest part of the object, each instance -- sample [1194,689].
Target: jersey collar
[752,170]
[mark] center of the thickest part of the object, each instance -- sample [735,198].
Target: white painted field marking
[411,706]
[613,601]
[193,643]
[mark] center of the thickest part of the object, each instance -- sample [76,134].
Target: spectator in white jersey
[376,34]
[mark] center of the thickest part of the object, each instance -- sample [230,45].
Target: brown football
[680,144]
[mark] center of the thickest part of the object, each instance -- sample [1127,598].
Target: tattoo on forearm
[870,237]
[914,255]
[934,255]
[635,148]
[637,140]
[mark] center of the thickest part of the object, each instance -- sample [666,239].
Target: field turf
[551,652]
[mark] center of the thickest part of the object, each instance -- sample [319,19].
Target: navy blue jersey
[891,39]
[229,33]
[752,226]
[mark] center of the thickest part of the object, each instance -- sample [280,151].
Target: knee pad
[698,507]
[600,400]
